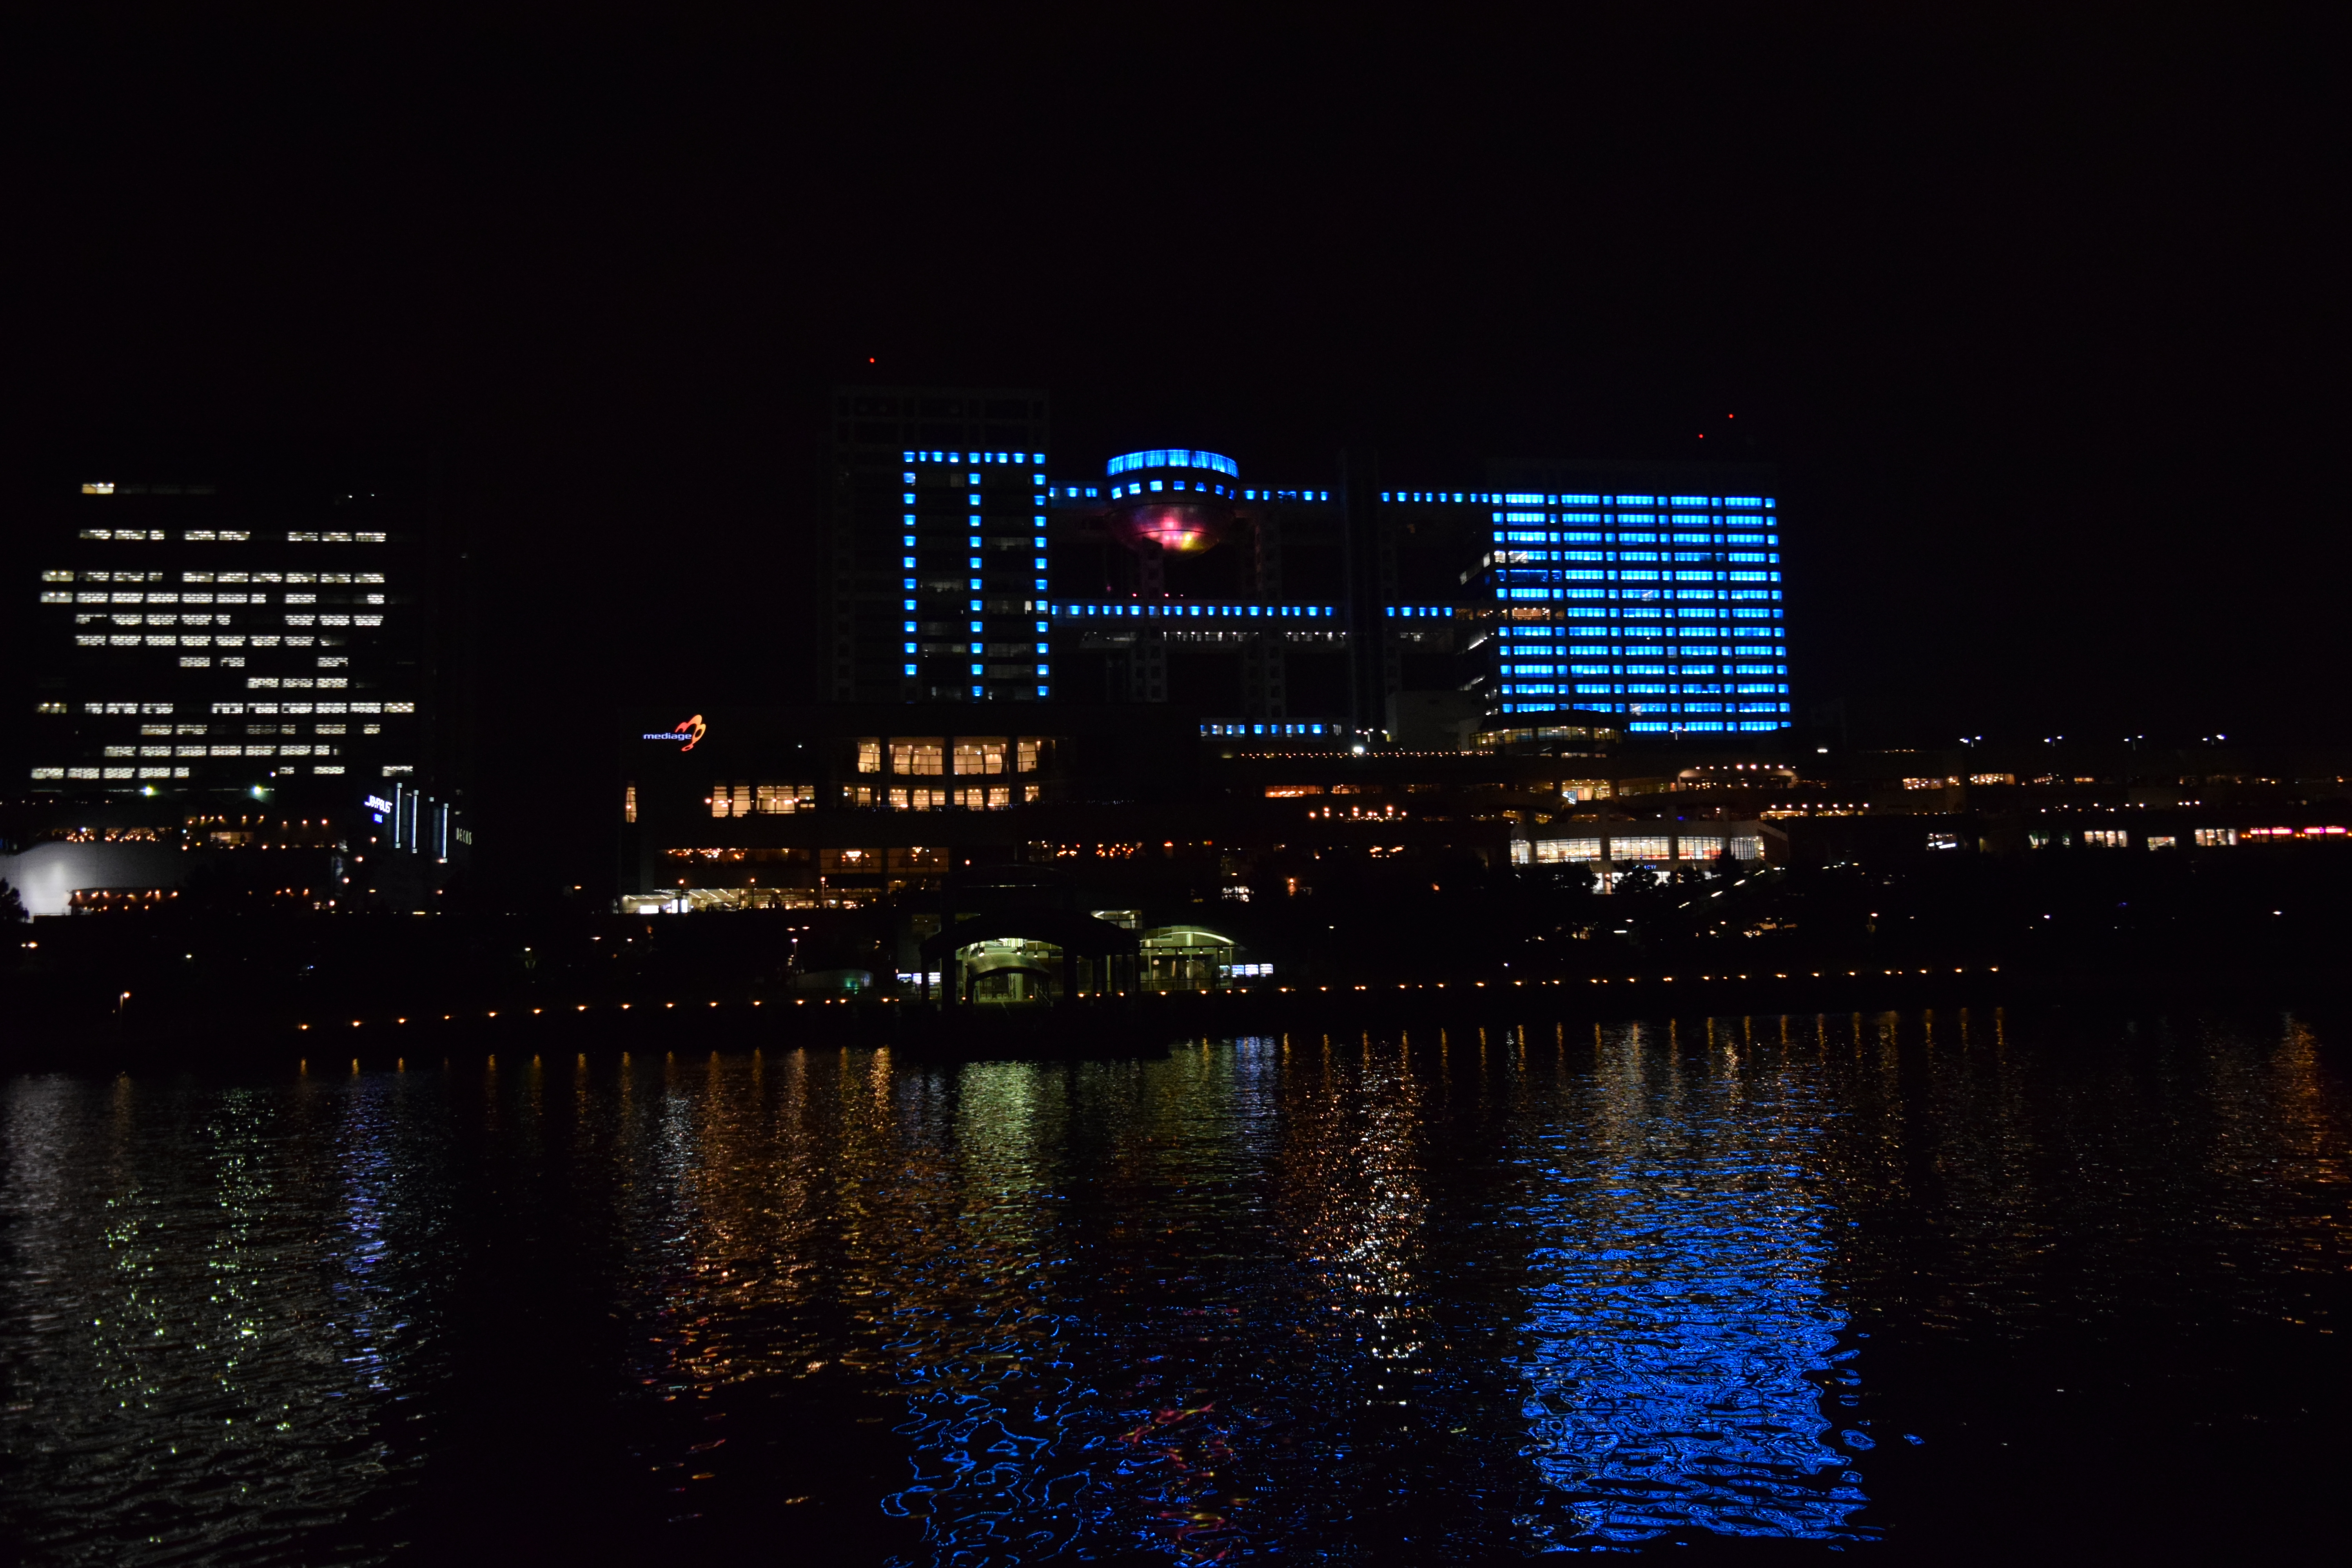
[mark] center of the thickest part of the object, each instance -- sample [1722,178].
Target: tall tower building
[938,558]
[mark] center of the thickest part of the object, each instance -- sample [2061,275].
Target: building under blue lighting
[1663,607]
[972,566]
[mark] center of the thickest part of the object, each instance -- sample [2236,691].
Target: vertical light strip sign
[1664,608]
[1678,1335]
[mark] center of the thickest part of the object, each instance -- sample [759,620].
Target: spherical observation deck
[1179,501]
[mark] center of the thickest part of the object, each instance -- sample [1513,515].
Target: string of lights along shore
[969,567]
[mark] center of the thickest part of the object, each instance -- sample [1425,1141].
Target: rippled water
[1887,1284]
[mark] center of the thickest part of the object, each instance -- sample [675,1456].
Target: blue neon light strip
[1021,460]
[1171,458]
[1073,611]
[1239,728]
[1530,498]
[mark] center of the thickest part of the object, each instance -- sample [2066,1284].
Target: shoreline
[1125,1026]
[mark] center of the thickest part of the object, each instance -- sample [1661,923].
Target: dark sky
[2039,313]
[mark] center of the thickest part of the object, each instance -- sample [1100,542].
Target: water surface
[1895,1285]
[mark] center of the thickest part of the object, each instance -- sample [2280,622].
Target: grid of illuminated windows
[215,655]
[975,621]
[937,772]
[1665,609]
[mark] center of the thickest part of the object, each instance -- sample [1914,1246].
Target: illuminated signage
[377,803]
[690,732]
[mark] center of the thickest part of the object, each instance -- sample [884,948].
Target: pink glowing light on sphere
[1178,528]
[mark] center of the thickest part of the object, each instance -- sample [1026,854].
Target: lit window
[918,758]
[983,756]
[870,756]
[782,799]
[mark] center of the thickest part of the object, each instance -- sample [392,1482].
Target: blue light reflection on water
[1680,1331]
[1450,1298]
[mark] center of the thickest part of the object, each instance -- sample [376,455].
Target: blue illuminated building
[972,576]
[1337,609]
[938,575]
[1664,608]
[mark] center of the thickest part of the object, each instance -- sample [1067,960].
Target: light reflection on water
[1681,1326]
[1431,1297]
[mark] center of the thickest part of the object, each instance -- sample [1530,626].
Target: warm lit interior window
[782,799]
[1025,753]
[981,757]
[918,758]
[870,756]
[918,799]
[629,804]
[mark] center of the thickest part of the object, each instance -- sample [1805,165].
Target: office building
[1157,660]
[220,655]
[970,564]
[1648,592]
[228,632]
[938,546]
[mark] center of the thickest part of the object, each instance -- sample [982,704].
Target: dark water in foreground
[1904,1286]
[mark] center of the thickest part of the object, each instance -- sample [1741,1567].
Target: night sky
[2034,312]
